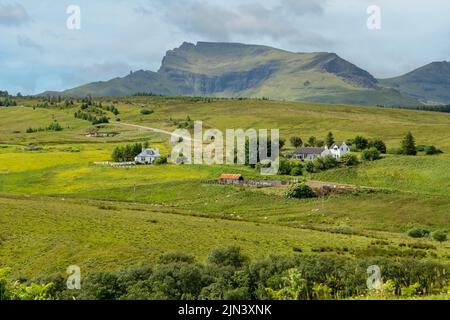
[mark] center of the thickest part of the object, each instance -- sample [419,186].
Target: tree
[361,143]
[300,191]
[371,154]
[296,142]
[409,145]
[329,139]
[378,144]
[312,141]
[281,143]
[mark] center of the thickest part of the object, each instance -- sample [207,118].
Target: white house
[337,150]
[147,156]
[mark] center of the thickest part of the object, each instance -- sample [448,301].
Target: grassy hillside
[57,206]
[430,83]
[253,71]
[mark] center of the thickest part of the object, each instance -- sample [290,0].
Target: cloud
[219,23]
[13,15]
[26,42]
[302,7]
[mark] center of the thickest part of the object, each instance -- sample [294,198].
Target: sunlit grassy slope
[58,207]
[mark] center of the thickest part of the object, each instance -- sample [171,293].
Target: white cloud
[13,15]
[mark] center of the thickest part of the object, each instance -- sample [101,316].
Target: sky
[38,51]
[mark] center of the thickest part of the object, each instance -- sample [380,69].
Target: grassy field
[57,206]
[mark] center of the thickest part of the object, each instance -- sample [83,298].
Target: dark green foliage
[432,150]
[312,142]
[325,163]
[54,126]
[300,191]
[409,145]
[126,153]
[361,143]
[101,286]
[329,139]
[371,154]
[146,111]
[349,160]
[379,145]
[309,167]
[160,160]
[296,142]
[440,236]
[230,275]
[230,256]
[293,167]
[93,112]
[418,233]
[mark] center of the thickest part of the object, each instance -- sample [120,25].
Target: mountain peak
[246,70]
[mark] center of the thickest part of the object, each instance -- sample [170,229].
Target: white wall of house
[147,156]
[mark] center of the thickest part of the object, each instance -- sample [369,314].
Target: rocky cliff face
[240,70]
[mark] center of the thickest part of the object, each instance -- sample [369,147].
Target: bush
[378,144]
[146,111]
[309,167]
[440,236]
[300,191]
[325,163]
[361,143]
[432,150]
[418,233]
[230,256]
[161,160]
[293,168]
[296,171]
[371,154]
[349,160]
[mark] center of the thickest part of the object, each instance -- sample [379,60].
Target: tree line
[230,275]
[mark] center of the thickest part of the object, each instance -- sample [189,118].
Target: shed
[231,177]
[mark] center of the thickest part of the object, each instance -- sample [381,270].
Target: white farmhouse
[147,156]
[337,150]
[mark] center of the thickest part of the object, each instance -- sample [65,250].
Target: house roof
[310,150]
[337,144]
[148,152]
[226,176]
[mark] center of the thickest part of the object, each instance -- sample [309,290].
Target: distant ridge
[240,70]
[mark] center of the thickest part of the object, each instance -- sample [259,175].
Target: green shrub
[418,233]
[230,256]
[371,154]
[378,144]
[440,236]
[300,191]
[325,163]
[349,160]
[309,167]
[160,160]
[432,150]
[146,111]
[296,171]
